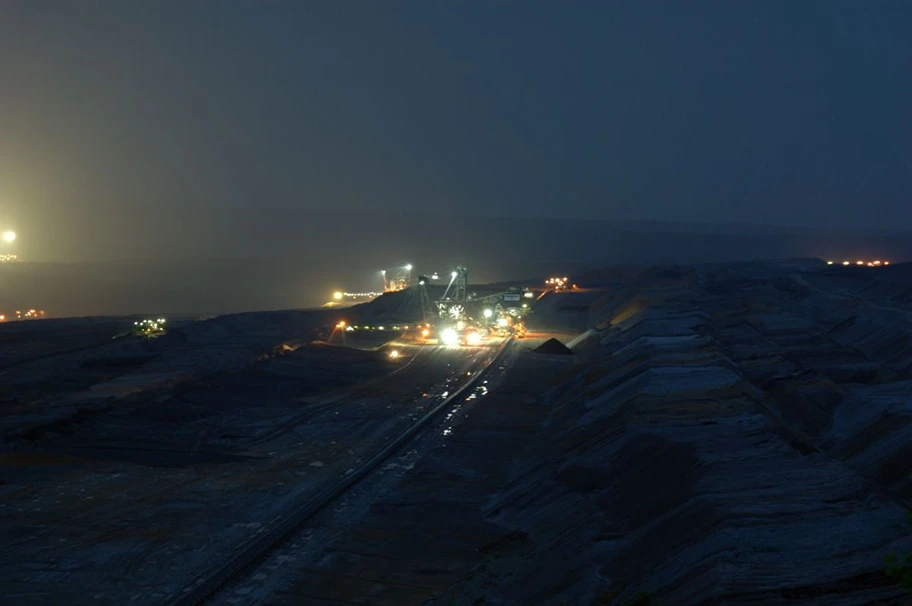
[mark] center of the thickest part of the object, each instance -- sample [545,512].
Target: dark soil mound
[553,346]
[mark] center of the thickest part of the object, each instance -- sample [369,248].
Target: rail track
[282,526]
[365,390]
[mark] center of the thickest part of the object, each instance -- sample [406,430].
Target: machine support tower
[452,304]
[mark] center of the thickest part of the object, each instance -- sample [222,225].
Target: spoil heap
[553,346]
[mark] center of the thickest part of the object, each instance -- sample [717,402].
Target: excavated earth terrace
[725,434]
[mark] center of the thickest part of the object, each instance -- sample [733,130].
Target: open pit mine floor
[719,435]
[146,499]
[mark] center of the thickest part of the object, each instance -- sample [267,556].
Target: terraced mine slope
[725,434]
[734,435]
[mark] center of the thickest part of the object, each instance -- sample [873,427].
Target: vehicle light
[449,337]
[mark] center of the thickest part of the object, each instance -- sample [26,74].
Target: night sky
[767,112]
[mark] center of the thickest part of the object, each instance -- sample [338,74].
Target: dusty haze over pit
[260,155]
[242,259]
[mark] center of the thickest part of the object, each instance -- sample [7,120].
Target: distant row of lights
[867,263]
[338,295]
[31,314]
[343,325]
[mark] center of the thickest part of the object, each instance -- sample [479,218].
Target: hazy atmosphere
[456,302]
[210,132]
[779,113]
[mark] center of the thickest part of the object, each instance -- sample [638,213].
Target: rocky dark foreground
[726,434]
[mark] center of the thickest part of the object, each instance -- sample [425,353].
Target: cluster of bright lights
[558,283]
[29,314]
[8,258]
[876,263]
[150,325]
[400,281]
[528,294]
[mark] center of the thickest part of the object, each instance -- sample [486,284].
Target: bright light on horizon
[9,236]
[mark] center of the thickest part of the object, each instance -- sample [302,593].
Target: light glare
[449,336]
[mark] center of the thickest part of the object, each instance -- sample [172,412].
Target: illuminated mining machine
[460,317]
[397,279]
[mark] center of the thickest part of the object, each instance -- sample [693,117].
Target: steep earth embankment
[733,435]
